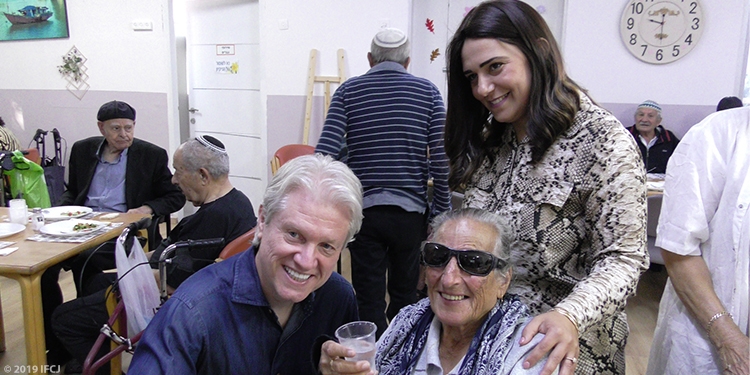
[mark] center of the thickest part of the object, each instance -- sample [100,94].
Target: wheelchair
[115,330]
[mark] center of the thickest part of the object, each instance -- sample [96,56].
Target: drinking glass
[18,211]
[359,336]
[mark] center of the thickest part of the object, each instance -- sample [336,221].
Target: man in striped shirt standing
[387,125]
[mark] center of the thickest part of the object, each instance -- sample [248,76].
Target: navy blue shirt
[219,322]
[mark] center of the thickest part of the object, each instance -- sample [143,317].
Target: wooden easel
[327,80]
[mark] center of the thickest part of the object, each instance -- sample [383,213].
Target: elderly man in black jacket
[117,172]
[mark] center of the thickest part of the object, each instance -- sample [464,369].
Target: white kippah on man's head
[389,38]
[650,104]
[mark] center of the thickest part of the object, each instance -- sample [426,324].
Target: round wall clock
[661,31]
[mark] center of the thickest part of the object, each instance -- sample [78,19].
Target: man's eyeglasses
[473,262]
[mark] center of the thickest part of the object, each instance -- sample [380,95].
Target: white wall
[597,59]
[325,25]
[447,16]
[119,60]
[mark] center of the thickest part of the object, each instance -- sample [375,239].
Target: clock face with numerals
[661,31]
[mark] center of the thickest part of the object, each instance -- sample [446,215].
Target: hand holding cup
[356,345]
[333,361]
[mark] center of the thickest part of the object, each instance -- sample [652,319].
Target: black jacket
[147,176]
[655,158]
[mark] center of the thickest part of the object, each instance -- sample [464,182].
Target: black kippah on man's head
[211,143]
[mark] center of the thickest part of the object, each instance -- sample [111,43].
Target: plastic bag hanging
[138,287]
[27,181]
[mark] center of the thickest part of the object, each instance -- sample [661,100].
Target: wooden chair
[653,203]
[237,246]
[33,155]
[289,152]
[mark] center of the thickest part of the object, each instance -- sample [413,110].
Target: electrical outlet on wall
[142,25]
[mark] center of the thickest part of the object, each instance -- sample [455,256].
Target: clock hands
[660,35]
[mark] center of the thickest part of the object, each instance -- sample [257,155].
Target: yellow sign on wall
[227,67]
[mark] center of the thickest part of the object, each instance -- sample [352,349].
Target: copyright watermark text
[29,369]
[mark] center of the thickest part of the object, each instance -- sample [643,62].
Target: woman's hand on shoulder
[332,361]
[560,342]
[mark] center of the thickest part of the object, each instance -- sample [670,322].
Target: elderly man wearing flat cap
[118,172]
[656,143]
[391,123]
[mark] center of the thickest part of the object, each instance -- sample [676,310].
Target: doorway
[220,95]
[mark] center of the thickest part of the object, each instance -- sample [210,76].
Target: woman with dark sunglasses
[468,324]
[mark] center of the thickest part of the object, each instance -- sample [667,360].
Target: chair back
[33,155]
[654,210]
[153,232]
[289,152]
[653,204]
[237,245]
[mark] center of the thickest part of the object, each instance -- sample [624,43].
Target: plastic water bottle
[37,219]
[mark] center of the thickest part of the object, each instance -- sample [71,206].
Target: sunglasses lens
[476,262]
[436,255]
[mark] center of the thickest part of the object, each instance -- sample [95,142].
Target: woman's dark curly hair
[553,98]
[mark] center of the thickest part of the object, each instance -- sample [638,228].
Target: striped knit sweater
[390,123]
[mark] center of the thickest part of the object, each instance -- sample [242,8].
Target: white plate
[65,212]
[655,185]
[65,228]
[9,229]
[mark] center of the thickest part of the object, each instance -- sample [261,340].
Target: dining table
[27,264]
[654,184]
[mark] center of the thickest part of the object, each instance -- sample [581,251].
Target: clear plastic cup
[359,336]
[18,211]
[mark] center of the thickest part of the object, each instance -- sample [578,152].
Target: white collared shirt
[429,361]
[646,143]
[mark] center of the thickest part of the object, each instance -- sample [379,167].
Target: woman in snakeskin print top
[524,140]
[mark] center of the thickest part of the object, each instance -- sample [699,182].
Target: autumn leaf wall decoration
[430,24]
[435,53]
